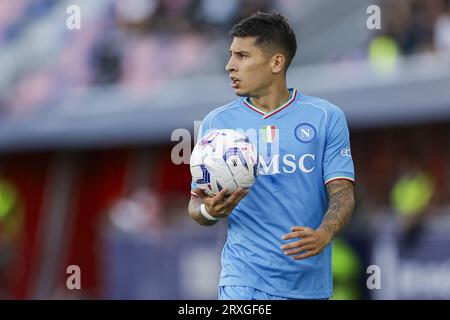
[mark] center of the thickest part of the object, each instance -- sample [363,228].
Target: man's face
[249,67]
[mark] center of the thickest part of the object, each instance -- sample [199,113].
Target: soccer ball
[224,158]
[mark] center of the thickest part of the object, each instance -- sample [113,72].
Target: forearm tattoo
[340,206]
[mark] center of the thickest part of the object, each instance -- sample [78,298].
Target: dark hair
[269,28]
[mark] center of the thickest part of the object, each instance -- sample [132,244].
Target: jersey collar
[266,115]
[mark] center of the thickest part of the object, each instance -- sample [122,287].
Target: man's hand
[221,205]
[311,242]
[340,208]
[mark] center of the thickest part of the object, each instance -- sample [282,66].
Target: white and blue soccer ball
[224,158]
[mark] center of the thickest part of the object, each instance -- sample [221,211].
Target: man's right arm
[195,213]
[219,206]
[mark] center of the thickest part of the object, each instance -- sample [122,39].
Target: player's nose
[230,66]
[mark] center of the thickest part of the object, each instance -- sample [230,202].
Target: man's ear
[278,62]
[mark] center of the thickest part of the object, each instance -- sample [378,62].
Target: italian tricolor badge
[269,133]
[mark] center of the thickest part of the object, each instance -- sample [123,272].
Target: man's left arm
[340,208]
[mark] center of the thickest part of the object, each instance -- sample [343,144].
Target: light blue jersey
[302,145]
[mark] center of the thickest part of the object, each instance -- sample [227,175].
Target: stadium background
[87,120]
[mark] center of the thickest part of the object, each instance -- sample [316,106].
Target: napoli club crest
[305,133]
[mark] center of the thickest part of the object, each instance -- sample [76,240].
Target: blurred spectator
[141,212]
[416,25]
[33,90]
[347,268]
[144,64]
[383,54]
[215,15]
[11,226]
[10,13]
[135,14]
[442,32]
[106,58]
[411,196]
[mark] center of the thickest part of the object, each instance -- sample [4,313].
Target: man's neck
[274,98]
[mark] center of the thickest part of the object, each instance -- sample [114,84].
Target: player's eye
[238,54]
